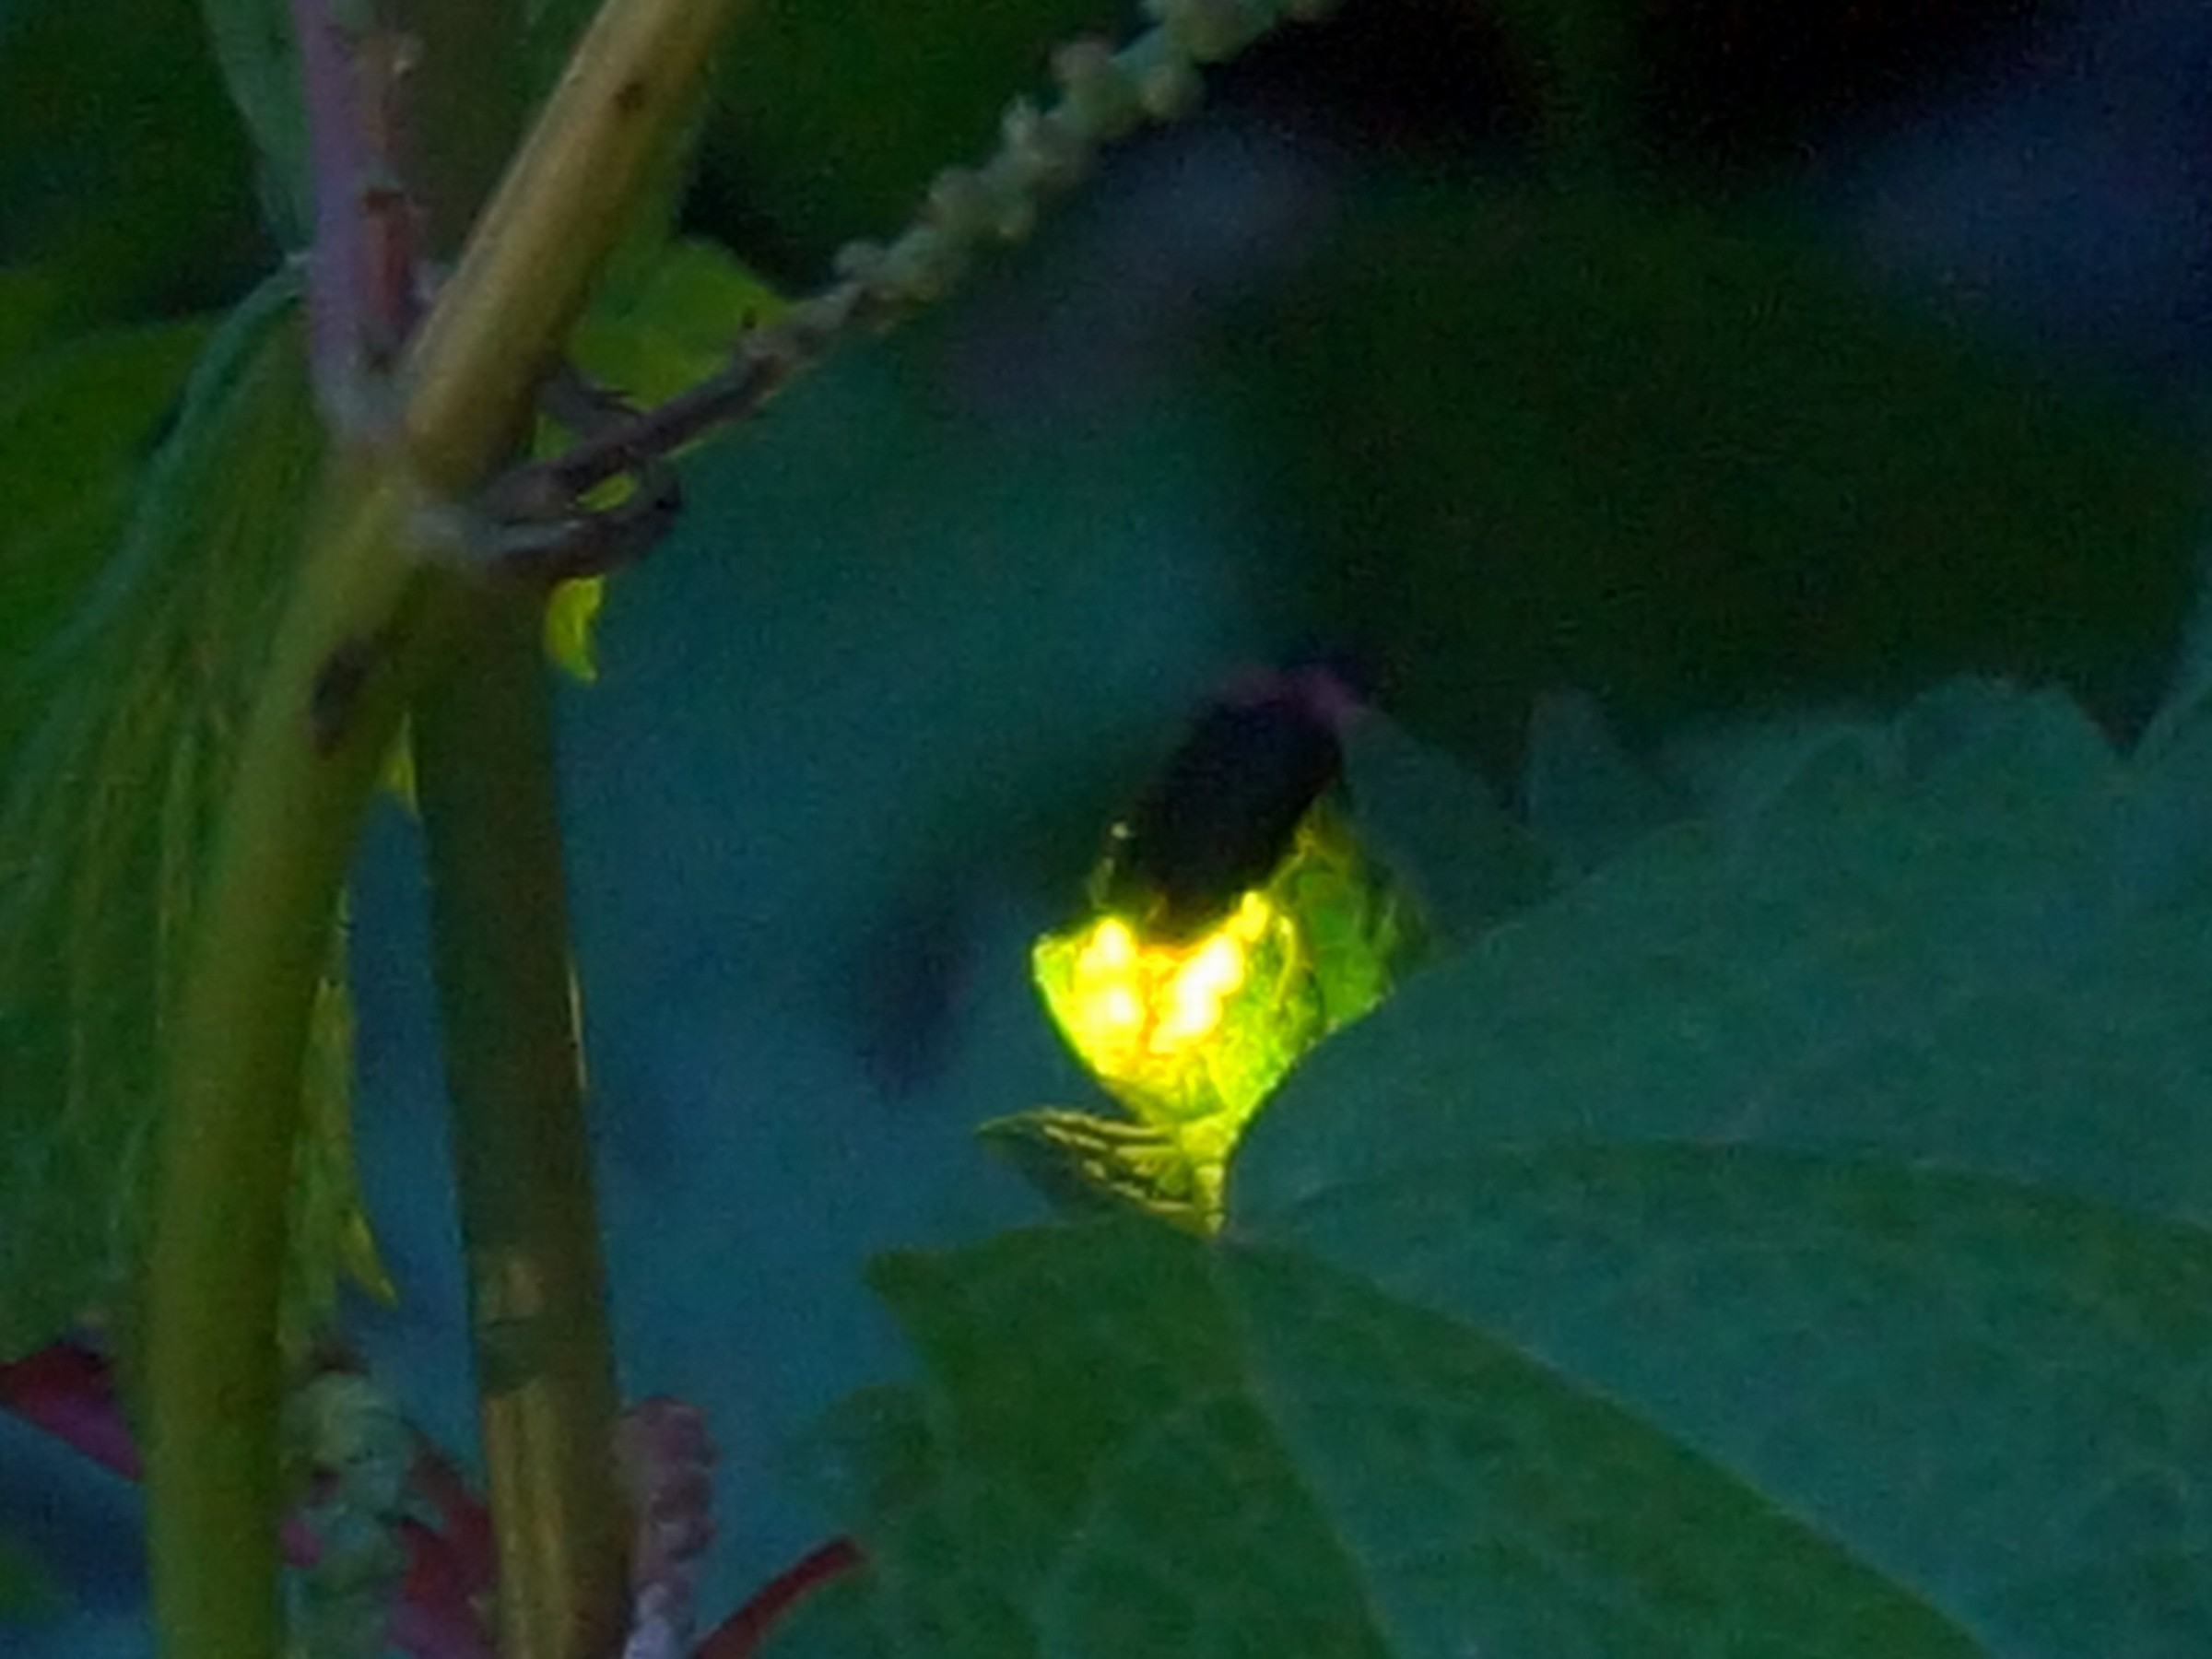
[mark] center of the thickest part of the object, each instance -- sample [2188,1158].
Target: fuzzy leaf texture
[1789,1239]
[129,715]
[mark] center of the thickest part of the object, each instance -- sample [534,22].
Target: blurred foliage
[27,1591]
[123,170]
[829,122]
[1534,441]
[75,416]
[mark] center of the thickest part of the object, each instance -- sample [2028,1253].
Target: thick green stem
[367,612]
[233,1111]
[545,1366]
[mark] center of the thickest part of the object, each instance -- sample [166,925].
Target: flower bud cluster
[1103,94]
[347,1430]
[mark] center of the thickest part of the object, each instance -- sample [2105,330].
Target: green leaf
[664,323]
[33,311]
[258,51]
[103,827]
[1938,940]
[1465,862]
[672,320]
[1791,1239]
[1586,797]
[75,416]
[836,1621]
[1138,1444]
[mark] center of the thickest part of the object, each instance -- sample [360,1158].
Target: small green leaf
[655,331]
[1088,1165]
[103,827]
[570,614]
[674,320]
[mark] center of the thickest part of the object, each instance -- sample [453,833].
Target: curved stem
[522,1157]
[743,1635]
[367,600]
[232,1114]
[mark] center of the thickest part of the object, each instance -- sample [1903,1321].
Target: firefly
[1223,812]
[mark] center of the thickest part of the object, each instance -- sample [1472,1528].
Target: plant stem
[232,1114]
[544,1365]
[286,831]
[542,239]
[742,1635]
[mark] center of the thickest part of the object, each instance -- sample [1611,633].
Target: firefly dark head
[1223,812]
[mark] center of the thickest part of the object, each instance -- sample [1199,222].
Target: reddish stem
[66,1391]
[740,1635]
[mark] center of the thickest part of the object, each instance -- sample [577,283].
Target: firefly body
[1225,808]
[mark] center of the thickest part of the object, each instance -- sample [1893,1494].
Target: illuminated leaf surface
[131,717]
[1788,1240]
[669,321]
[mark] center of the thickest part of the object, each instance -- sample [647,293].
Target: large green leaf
[1132,1444]
[131,714]
[1789,1239]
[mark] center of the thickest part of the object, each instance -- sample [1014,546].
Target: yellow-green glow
[1192,1038]
[1134,1009]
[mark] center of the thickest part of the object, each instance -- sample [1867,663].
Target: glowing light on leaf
[1192,1038]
